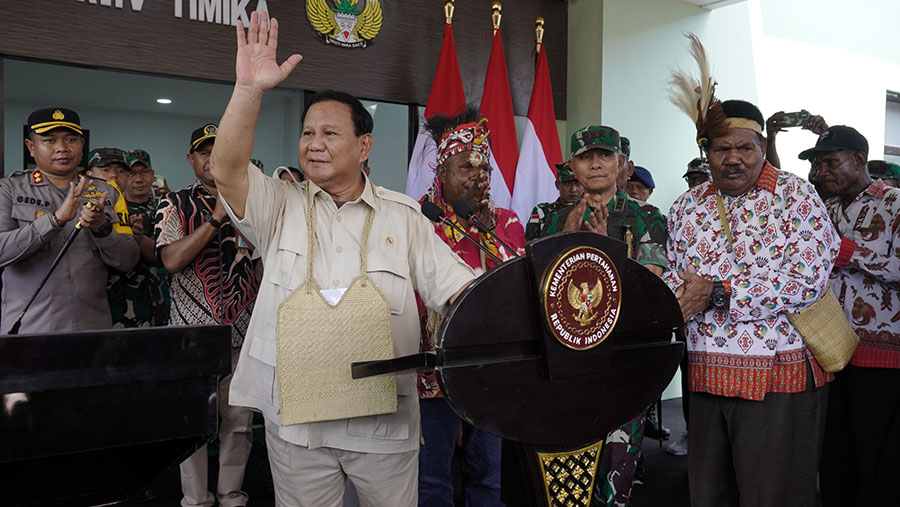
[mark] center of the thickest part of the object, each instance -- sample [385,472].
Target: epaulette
[390,195]
[37,177]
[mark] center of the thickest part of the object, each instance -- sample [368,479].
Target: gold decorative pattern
[569,476]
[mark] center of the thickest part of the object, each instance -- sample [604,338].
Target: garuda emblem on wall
[344,25]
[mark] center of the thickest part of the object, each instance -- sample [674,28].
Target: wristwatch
[212,221]
[104,230]
[718,298]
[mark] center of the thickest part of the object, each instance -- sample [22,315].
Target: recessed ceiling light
[164,101]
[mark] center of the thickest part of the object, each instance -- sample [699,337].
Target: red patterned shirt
[784,246]
[867,278]
[509,229]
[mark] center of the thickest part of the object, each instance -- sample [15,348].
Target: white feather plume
[691,94]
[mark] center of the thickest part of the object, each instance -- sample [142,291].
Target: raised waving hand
[255,65]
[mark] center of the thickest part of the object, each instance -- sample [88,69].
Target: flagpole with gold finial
[496,7]
[448,11]
[538,33]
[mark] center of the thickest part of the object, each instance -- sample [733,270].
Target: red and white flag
[446,97]
[536,172]
[496,106]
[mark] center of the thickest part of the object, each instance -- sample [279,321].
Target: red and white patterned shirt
[867,276]
[784,246]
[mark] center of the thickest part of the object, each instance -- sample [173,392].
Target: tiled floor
[666,482]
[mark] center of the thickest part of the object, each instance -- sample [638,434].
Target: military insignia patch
[37,177]
[344,25]
[39,213]
[581,297]
[58,115]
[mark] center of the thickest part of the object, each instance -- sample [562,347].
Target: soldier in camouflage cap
[885,171]
[109,165]
[626,167]
[140,297]
[597,157]
[595,137]
[697,172]
[570,191]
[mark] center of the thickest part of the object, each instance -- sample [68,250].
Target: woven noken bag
[318,342]
[827,333]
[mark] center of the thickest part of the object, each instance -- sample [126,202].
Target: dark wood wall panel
[397,67]
[2,169]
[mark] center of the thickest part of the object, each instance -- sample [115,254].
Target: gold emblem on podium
[569,477]
[344,25]
[582,297]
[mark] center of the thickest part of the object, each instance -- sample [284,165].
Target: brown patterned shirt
[219,286]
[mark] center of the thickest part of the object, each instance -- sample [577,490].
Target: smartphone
[797,119]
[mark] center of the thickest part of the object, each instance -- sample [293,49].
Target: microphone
[436,214]
[463,209]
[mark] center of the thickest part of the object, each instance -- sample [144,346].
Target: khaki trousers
[317,477]
[234,449]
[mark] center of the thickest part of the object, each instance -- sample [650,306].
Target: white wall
[643,41]
[388,159]
[831,59]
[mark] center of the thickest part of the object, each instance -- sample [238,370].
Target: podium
[551,351]
[90,418]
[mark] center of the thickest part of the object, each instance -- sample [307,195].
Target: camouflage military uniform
[140,297]
[644,229]
[538,219]
[618,464]
[621,450]
[646,224]
[539,214]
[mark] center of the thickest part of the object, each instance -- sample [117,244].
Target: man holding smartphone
[781,120]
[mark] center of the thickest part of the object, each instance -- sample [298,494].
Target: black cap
[45,120]
[203,134]
[837,138]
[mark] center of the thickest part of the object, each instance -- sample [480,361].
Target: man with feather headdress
[746,249]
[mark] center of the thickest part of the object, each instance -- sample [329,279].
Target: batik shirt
[648,228]
[867,281]
[784,246]
[539,216]
[219,286]
[509,229]
[140,297]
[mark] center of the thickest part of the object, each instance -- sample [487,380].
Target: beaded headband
[467,137]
